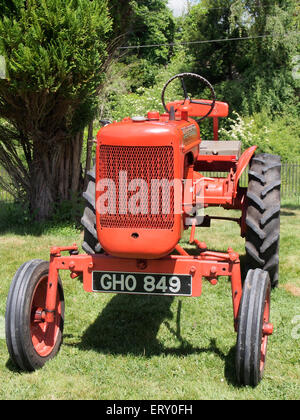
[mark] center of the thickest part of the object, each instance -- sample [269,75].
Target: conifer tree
[54,52]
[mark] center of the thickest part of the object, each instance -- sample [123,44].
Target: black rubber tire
[90,243]
[256,291]
[18,316]
[263,215]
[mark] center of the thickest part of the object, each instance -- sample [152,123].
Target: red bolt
[71,265]
[233,256]
[39,315]
[55,250]
[268,328]
[153,115]
[213,269]
[193,269]
[141,264]
[213,281]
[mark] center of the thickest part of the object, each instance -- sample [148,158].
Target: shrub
[276,136]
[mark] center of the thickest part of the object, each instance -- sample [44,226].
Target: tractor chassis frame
[208,264]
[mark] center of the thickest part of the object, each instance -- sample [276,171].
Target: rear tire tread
[263,215]
[90,243]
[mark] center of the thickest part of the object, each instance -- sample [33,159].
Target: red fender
[242,164]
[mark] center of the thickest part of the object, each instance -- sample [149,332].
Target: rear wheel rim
[44,335]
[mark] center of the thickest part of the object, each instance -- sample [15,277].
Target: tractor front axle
[174,275]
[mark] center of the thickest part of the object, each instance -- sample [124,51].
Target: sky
[179,6]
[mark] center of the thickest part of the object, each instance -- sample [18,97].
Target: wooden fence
[290,181]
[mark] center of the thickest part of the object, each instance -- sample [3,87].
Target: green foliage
[68,211]
[141,72]
[143,23]
[120,102]
[152,24]
[268,82]
[15,217]
[210,20]
[55,52]
[255,74]
[279,136]
[273,132]
[55,47]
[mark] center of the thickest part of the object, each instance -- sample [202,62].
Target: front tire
[253,328]
[31,341]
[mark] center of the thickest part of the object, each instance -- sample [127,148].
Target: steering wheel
[186,96]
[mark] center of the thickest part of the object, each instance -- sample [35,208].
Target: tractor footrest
[221,148]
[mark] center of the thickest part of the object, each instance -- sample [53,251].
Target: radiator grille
[146,163]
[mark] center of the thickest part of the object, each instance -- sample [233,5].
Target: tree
[268,80]
[54,51]
[143,22]
[217,61]
[256,72]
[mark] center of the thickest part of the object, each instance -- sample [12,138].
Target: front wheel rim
[44,335]
[264,339]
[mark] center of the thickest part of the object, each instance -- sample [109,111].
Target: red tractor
[147,188]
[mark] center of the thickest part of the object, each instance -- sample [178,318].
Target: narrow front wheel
[253,328]
[31,341]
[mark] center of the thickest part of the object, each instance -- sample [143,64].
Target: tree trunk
[56,174]
[88,153]
[41,200]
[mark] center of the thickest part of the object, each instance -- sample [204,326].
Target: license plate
[142,283]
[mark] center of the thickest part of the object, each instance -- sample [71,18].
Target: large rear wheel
[263,215]
[90,243]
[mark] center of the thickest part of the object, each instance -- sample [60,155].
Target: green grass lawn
[142,347]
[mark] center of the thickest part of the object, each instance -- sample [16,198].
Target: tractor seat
[222,148]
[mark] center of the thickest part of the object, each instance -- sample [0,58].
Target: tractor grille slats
[145,163]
